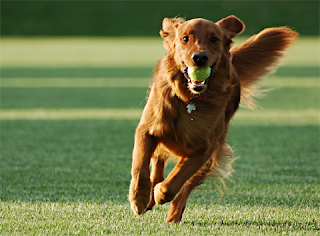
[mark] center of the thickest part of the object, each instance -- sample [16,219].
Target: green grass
[67,137]
[73,97]
[81,52]
[114,52]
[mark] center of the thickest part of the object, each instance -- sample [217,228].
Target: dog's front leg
[184,170]
[140,186]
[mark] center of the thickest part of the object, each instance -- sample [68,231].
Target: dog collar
[202,98]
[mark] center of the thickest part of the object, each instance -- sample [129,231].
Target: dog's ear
[168,31]
[231,25]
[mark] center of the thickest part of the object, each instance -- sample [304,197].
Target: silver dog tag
[191,107]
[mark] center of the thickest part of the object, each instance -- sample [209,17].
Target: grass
[81,51]
[113,52]
[67,137]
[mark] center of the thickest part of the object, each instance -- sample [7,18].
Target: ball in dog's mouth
[199,74]
[197,77]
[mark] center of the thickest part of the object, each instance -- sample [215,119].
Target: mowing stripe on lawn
[61,114]
[281,117]
[114,52]
[292,117]
[80,51]
[130,82]
[293,82]
[74,82]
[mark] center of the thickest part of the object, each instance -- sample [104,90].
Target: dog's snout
[200,58]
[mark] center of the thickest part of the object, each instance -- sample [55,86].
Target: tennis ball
[199,74]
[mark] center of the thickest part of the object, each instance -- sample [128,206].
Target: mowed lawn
[69,109]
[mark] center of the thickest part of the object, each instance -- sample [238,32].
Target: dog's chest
[196,123]
[192,132]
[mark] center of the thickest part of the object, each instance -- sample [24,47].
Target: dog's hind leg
[166,190]
[179,203]
[218,166]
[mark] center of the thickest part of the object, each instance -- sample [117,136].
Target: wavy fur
[198,139]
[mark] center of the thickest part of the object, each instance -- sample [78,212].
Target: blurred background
[74,81]
[143,18]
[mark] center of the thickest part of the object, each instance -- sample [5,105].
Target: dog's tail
[259,56]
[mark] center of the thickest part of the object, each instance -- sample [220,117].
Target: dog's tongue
[197,83]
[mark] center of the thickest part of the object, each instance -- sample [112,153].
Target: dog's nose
[200,58]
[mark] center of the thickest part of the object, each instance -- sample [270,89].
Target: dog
[188,119]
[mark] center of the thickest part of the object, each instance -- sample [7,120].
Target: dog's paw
[138,208]
[162,195]
[139,196]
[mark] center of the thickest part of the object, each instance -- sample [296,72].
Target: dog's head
[199,43]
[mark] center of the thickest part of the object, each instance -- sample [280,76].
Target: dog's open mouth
[196,85]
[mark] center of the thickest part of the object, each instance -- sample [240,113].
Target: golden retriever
[188,119]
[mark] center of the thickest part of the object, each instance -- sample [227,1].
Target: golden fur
[197,139]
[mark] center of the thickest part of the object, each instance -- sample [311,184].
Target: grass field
[69,108]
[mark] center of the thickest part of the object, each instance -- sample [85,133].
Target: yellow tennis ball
[199,74]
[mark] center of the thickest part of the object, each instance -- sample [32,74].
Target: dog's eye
[186,39]
[214,39]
